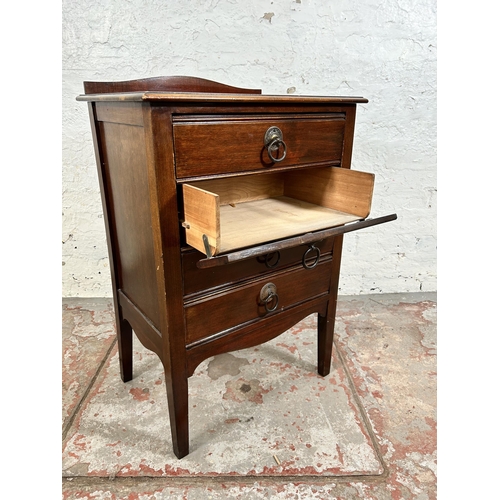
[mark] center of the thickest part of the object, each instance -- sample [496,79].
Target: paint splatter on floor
[368,430]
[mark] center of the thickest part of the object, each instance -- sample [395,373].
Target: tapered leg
[325,343]
[326,324]
[124,334]
[177,394]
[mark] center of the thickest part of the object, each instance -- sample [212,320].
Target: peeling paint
[268,16]
[383,51]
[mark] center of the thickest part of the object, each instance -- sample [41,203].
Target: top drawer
[207,145]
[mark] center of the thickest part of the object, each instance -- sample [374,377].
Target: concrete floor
[263,424]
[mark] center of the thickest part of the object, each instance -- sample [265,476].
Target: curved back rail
[165,84]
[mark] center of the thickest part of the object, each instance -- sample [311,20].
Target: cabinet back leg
[326,324]
[325,344]
[124,335]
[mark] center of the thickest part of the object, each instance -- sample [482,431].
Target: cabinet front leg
[177,394]
[124,335]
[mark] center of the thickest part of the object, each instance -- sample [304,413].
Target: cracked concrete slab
[88,332]
[263,423]
[273,405]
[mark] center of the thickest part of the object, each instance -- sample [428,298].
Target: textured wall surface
[382,50]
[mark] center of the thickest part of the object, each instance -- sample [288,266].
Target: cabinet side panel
[350,119]
[125,170]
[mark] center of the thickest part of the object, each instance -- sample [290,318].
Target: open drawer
[225,215]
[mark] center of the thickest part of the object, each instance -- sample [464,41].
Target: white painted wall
[384,50]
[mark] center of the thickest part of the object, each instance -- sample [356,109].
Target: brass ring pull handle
[274,146]
[273,298]
[269,259]
[314,263]
[269,297]
[273,139]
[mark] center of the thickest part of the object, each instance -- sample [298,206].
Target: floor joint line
[75,412]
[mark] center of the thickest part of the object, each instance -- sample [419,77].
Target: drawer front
[241,305]
[210,146]
[198,280]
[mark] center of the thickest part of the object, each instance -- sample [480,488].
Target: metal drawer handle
[314,263]
[272,139]
[269,297]
[273,298]
[269,258]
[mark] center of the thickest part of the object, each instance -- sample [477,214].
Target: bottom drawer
[247,303]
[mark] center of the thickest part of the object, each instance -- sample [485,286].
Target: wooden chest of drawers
[225,211]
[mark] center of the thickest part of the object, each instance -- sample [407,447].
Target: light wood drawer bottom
[221,215]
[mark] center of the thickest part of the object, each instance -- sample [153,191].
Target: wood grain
[129,113]
[240,305]
[126,177]
[284,244]
[340,189]
[253,333]
[256,222]
[245,188]
[201,217]
[237,146]
[200,281]
[241,212]
[165,83]
[183,149]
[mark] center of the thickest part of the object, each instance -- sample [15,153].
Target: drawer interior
[243,211]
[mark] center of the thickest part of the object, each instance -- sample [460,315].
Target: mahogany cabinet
[225,211]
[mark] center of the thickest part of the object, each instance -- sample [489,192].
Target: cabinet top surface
[176,97]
